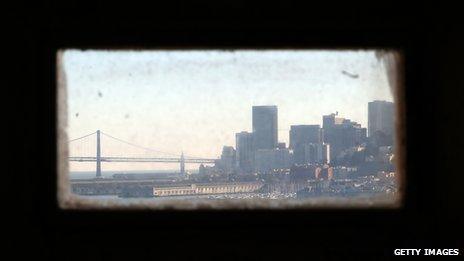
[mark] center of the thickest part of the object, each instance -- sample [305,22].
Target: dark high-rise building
[301,135]
[341,134]
[244,151]
[316,153]
[227,161]
[264,127]
[381,122]
[266,160]
[329,121]
[380,117]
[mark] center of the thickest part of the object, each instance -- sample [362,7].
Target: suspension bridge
[148,154]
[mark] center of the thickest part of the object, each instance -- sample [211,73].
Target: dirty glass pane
[229,128]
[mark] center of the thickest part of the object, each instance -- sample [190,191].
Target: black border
[430,216]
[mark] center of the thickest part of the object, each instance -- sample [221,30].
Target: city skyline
[208,137]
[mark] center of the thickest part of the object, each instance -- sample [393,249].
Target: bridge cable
[138,146]
[82,137]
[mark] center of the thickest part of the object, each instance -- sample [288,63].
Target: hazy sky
[195,101]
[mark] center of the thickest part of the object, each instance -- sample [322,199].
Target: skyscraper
[316,153]
[329,121]
[244,151]
[264,127]
[227,161]
[341,134]
[381,121]
[301,135]
[268,159]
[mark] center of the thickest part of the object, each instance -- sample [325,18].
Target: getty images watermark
[425,252]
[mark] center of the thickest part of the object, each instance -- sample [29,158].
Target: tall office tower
[301,135]
[361,135]
[264,127]
[381,120]
[266,160]
[244,151]
[227,161]
[341,134]
[317,153]
[329,121]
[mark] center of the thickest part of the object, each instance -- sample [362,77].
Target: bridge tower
[98,161]
[182,164]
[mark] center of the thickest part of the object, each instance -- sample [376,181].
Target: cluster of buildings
[334,143]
